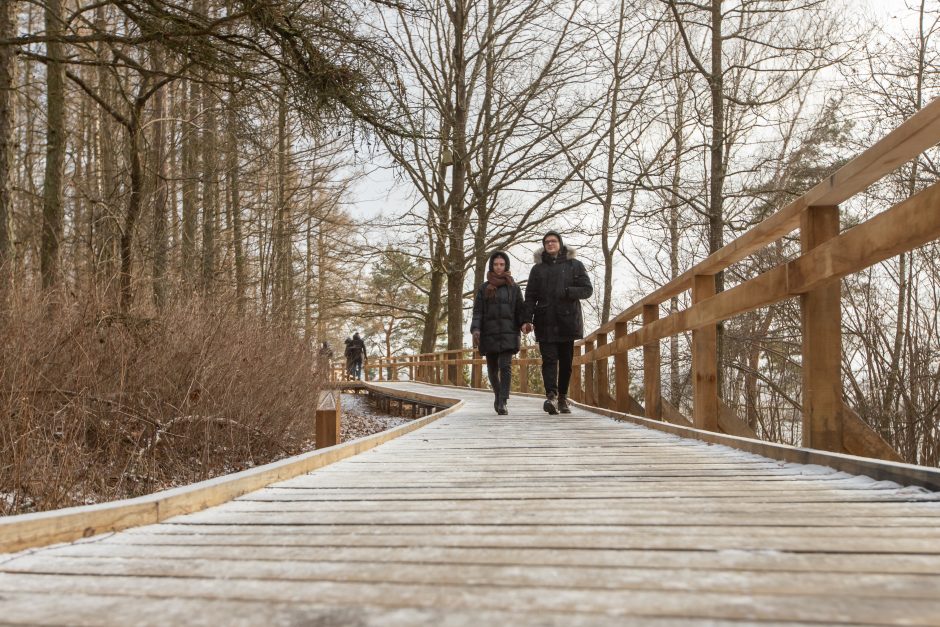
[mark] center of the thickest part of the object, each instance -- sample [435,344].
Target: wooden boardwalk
[524,519]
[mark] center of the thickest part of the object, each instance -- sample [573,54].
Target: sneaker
[550,405]
[563,406]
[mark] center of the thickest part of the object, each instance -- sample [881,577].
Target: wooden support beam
[621,371]
[328,419]
[729,422]
[704,361]
[574,387]
[821,313]
[602,376]
[652,371]
[589,397]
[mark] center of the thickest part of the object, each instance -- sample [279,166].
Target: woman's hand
[476,339]
[527,327]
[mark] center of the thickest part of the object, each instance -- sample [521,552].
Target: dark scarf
[494,282]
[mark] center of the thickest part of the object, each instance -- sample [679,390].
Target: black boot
[501,407]
[551,405]
[496,402]
[563,406]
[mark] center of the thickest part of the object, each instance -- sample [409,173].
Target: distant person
[355,356]
[498,314]
[557,285]
[347,354]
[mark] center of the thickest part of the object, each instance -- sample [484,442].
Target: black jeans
[556,366]
[499,371]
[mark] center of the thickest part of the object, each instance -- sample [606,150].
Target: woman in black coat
[498,313]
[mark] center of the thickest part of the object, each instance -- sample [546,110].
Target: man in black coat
[557,284]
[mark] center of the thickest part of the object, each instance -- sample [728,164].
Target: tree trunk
[7,146]
[190,189]
[608,199]
[717,164]
[281,244]
[52,211]
[456,257]
[234,191]
[210,194]
[133,206]
[433,313]
[160,245]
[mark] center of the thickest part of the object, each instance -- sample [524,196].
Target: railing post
[821,311]
[653,394]
[328,419]
[523,369]
[574,387]
[602,375]
[704,361]
[445,370]
[411,367]
[476,370]
[622,371]
[589,398]
[381,364]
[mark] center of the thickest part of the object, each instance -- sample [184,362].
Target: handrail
[918,133]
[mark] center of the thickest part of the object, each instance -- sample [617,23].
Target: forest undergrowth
[98,406]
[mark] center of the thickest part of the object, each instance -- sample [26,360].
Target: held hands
[527,327]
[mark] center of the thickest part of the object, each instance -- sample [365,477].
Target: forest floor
[362,418]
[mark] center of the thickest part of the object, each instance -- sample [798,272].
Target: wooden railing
[814,278]
[462,367]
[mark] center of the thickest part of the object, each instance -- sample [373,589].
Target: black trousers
[556,366]
[499,371]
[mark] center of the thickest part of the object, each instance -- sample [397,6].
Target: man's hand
[527,327]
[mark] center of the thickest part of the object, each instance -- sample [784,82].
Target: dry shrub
[98,406]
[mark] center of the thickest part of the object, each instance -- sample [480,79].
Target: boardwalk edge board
[28,531]
[881,470]
[904,474]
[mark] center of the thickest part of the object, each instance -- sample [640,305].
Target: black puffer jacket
[500,319]
[552,297]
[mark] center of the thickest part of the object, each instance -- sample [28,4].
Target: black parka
[553,296]
[498,320]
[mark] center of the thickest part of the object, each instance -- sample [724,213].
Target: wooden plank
[821,316]
[637,600]
[652,386]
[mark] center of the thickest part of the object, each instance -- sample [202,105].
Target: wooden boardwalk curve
[525,519]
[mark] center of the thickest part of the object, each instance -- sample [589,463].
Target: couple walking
[557,283]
